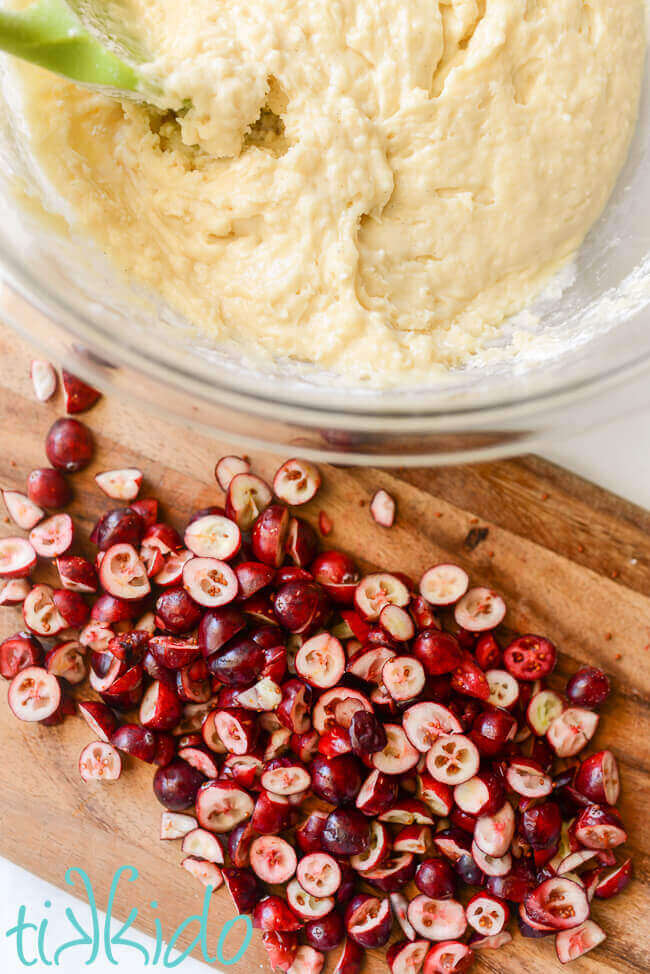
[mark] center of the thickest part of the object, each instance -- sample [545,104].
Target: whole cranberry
[69,445]
[435,878]
[176,611]
[176,785]
[337,779]
[325,933]
[589,687]
[301,607]
[338,575]
[348,886]
[48,488]
[309,835]
[541,825]
[119,526]
[346,832]
[367,734]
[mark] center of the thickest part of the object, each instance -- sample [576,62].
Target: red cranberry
[469,872]
[309,835]
[336,780]
[18,652]
[120,526]
[438,652]
[338,575]
[244,888]
[325,933]
[79,396]
[530,657]
[541,825]
[302,542]
[492,730]
[176,785]
[589,687]
[176,611]
[135,740]
[301,607]
[367,734]
[346,832]
[48,488]
[516,885]
[69,445]
[435,878]
[488,652]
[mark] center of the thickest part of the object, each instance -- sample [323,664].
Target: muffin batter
[369,185]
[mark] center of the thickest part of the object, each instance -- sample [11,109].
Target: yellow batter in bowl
[372,186]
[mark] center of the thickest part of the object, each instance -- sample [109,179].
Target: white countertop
[616,457]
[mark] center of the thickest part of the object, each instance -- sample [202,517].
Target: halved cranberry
[321,661]
[41,614]
[574,943]
[369,662]
[123,574]
[437,919]
[377,794]
[18,652]
[160,708]
[487,914]
[450,957]
[405,957]
[599,827]
[269,535]
[293,711]
[367,735]
[525,777]
[34,694]
[444,584]
[100,718]
[541,825]
[613,882]
[378,590]
[176,612]
[252,577]
[17,557]
[221,805]
[346,832]
[66,661]
[109,610]
[213,536]
[558,903]
[14,591]
[247,497]
[175,825]
[481,795]
[403,677]
[414,838]
[202,845]
[453,758]
[369,920]
[22,511]
[319,874]
[469,679]
[597,778]
[71,607]
[126,690]
[398,755]
[281,948]
[296,482]
[285,776]
[99,761]
[217,627]
[48,488]
[121,485]
[227,468]
[530,657]
[77,574]
[309,835]
[239,665]
[272,859]
[572,731]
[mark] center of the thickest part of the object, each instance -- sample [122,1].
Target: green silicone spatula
[74,38]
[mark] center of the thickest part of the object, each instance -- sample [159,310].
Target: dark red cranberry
[325,933]
[176,611]
[219,626]
[176,785]
[541,825]
[252,577]
[119,526]
[309,835]
[130,646]
[346,832]
[469,872]
[589,687]
[492,730]
[302,542]
[69,445]
[165,751]
[435,878]
[136,741]
[244,888]
[147,508]
[530,657]
[519,882]
[301,607]
[463,820]
[48,488]
[348,886]
[338,575]
[367,734]
[336,780]
[239,665]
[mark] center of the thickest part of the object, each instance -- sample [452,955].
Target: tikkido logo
[95,935]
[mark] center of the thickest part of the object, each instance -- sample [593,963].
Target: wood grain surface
[572,561]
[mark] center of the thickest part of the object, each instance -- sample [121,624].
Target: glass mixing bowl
[592,365]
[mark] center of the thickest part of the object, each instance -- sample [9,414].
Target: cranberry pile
[365,751]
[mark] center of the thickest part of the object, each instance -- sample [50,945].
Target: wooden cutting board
[572,561]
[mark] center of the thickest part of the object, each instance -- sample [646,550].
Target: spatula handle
[50,34]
